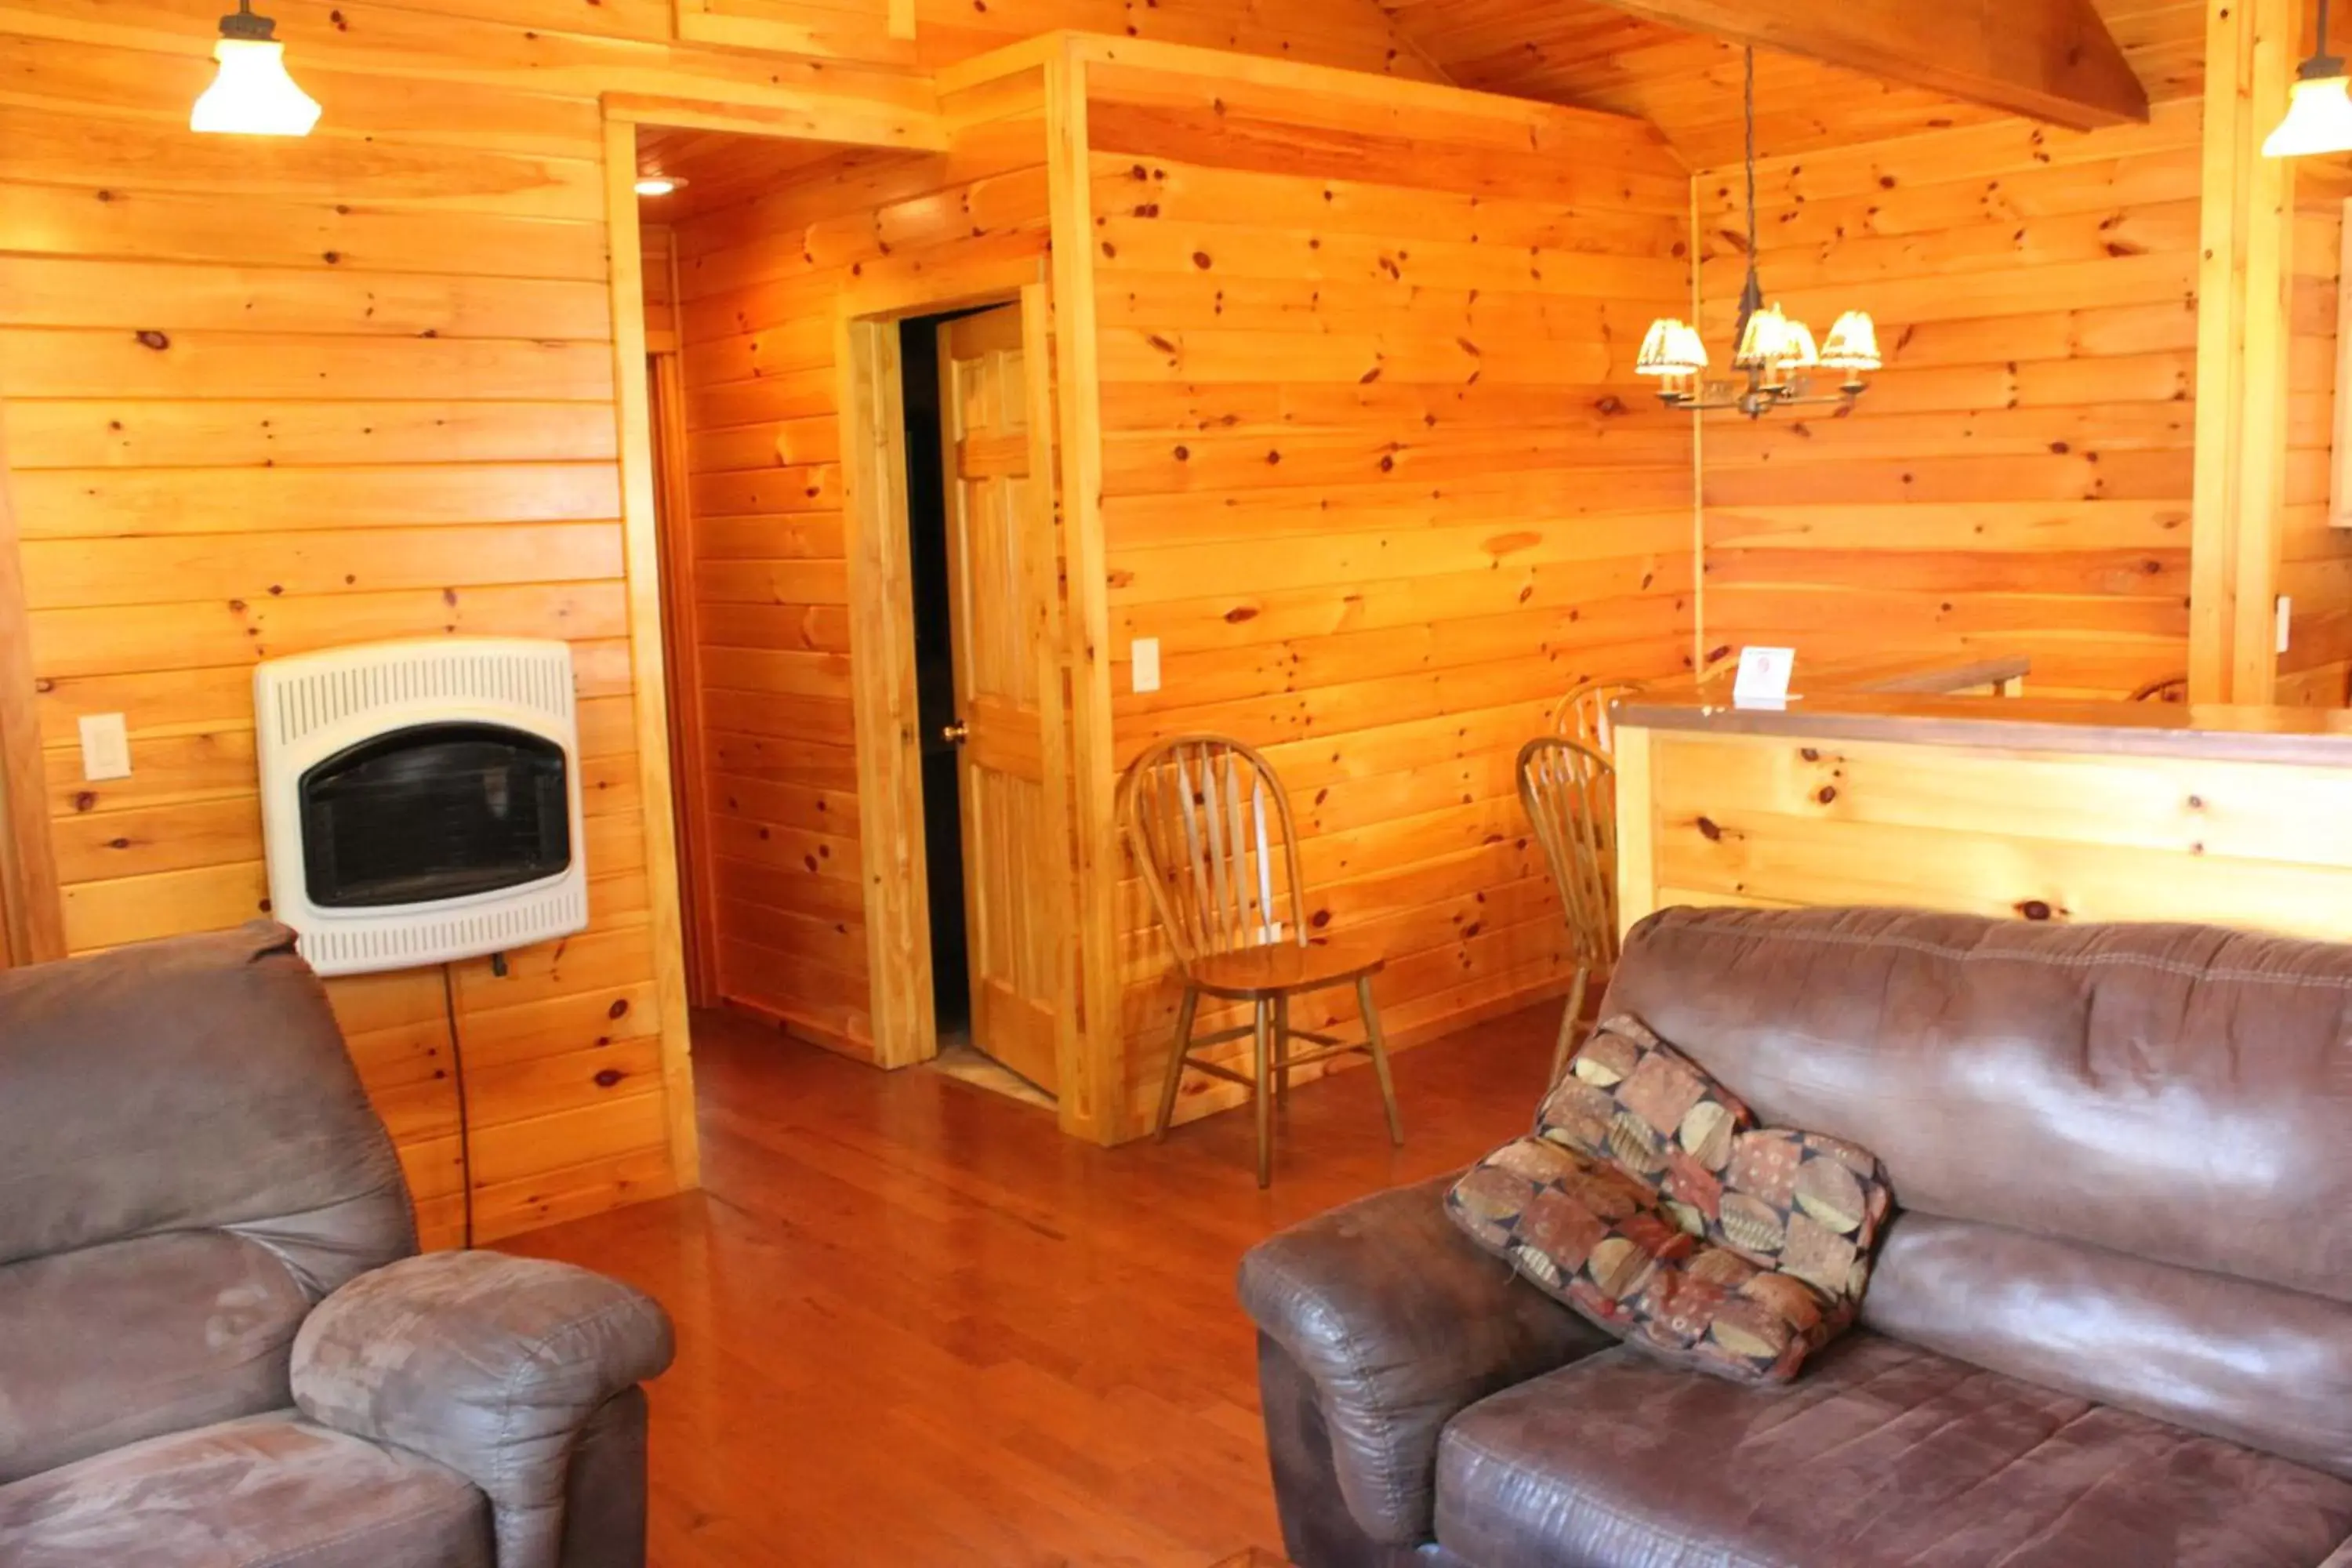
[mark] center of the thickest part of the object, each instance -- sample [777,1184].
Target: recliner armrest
[1401,1324]
[487,1363]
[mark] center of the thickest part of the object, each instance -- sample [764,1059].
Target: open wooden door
[1003,582]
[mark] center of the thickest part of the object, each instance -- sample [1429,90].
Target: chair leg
[1568,1022]
[1380,1048]
[1282,1052]
[1263,1101]
[1184,1011]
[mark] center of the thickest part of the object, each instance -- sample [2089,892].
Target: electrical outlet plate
[105,747]
[1145,653]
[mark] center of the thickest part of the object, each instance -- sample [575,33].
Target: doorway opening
[965,407]
[927,559]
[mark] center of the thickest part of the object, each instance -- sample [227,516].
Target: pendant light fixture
[252,96]
[1773,351]
[2318,105]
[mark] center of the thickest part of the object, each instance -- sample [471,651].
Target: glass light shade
[1689,348]
[1797,350]
[1670,348]
[657,185]
[2318,119]
[1852,344]
[1763,340]
[253,96]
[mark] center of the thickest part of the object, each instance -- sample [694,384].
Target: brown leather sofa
[217,1345]
[2110,1326]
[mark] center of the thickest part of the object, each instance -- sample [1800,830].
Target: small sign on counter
[1763,679]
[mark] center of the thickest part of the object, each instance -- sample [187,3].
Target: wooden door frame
[32,904]
[778,112]
[883,689]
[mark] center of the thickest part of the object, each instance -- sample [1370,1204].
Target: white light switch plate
[1145,652]
[105,747]
[2285,621]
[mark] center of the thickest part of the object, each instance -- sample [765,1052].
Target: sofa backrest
[187,1162]
[2124,1154]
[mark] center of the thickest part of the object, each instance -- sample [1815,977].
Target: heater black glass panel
[436,811]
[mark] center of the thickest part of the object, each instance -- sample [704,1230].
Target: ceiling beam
[2051,59]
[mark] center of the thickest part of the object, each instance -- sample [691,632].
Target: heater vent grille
[531,676]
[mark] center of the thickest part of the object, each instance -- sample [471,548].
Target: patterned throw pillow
[1631,1098]
[1650,1203]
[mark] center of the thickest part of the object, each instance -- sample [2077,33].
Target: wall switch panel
[2285,621]
[105,747]
[1145,653]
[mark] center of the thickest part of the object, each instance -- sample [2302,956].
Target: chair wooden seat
[1284,969]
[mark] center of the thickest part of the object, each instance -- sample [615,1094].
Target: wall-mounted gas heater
[420,800]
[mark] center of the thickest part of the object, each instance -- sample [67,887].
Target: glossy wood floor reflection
[917,1326]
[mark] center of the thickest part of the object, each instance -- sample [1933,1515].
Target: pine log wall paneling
[2315,556]
[273,395]
[763,286]
[2019,477]
[1374,476]
[269,396]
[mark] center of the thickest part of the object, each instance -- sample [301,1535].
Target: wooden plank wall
[1374,476]
[2019,474]
[763,286]
[273,395]
[2315,556]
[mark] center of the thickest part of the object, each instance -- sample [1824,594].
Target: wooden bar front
[2070,811]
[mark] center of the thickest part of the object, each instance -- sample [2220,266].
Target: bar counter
[2043,810]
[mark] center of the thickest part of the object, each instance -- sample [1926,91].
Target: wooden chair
[2169,688]
[1570,790]
[1583,715]
[1212,830]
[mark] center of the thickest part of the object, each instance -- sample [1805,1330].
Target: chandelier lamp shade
[252,95]
[2318,105]
[1772,353]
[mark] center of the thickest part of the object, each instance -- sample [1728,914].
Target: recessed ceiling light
[658,184]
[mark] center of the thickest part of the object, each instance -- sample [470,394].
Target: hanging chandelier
[1772,352]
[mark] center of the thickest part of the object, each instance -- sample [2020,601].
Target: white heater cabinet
[420,800]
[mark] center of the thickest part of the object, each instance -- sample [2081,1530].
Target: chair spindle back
[2168,688]
[1583,715]
[1570,790]
[1211,832]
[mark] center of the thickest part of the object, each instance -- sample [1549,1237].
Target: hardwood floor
[917,1326]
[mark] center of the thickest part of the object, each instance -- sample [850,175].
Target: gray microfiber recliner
[218,1344]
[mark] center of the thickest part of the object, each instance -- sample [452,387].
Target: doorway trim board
[649,677]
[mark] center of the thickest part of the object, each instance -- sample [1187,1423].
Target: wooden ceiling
[1587,52]
[718,168]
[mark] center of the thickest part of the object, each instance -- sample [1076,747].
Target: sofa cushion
[198,1083]
[1885,1453]
[270,1490]
[114,1343]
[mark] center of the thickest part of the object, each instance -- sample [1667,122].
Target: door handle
[957,733]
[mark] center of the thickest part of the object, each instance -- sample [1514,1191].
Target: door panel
[1000,561]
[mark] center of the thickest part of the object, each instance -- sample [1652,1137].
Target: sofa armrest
[1400,1323]
[490,1364]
